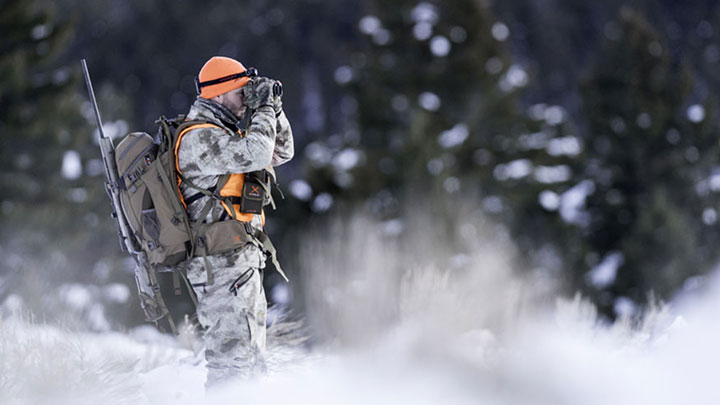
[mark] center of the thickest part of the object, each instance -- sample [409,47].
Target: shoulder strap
[181,131]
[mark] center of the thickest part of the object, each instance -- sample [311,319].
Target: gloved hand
[276,103]
[258,93]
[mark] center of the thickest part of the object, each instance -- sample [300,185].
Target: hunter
[245,135]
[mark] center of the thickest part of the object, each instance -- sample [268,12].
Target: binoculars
[277,89]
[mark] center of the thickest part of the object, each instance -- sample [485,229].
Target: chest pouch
[253,193]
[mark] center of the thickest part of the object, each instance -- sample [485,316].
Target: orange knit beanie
[219,67]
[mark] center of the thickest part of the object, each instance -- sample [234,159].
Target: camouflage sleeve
[213,151]
[284,144]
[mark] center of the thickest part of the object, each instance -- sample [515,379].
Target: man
[246,132]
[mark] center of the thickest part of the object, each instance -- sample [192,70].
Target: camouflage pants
[232,310]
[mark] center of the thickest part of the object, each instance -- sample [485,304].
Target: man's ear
[219,98]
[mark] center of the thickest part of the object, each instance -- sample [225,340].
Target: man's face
[234,101]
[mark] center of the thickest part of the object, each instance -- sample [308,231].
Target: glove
[258,93]
[276,104]
[277,92]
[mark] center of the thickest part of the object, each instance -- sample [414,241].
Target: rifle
[107,149]
[148,288]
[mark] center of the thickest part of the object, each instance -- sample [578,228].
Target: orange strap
[177,157]
[234,182]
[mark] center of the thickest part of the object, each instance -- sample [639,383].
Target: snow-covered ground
[393,326]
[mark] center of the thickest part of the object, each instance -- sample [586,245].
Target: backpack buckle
[249,228]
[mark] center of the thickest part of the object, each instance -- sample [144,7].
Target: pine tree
[439,120]
[33,100]
[51,188]
[649,157]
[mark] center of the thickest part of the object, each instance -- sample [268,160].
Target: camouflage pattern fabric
[207,153]
[258,93]
[234,321]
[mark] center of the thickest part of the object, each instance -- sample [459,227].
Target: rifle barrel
[91,93]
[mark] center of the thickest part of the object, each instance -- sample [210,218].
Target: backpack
[149,197]
[152,203]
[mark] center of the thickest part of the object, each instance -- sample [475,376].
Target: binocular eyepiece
[277,89]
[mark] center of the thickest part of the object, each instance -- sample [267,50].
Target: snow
[567,145]
[96,318]
[77,296]
[714,181]
[625,307]
[112,129]
[318,154]
[492,204]
[572,202]
[470,331]
[500,31]
[281,294]
[534,141]
[369,24]
[604,274]
[515,77]
[440,46]
[516,169]
[552,174]
[454,136]
[424,12]
[435,166]
[117,293]
[422,31]
[709,216]
[41,31]
[347,158]
[537,111]
[13,304]
[429,101]
[301,190]
[696,113]
[382,37]
[549,200]
[343,75]
[392,227]
[554,115]
[322,202]
[452,184]
[71,165]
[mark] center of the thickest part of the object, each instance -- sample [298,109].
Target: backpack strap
[262,241]
[256,236]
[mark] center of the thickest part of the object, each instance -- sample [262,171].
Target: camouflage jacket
[205,154]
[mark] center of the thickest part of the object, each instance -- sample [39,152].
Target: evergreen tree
[438,120]
[33,99]
[649,157]
[52,197]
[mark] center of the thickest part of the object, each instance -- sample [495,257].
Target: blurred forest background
[586,131]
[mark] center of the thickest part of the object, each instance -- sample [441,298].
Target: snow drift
[435,316]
